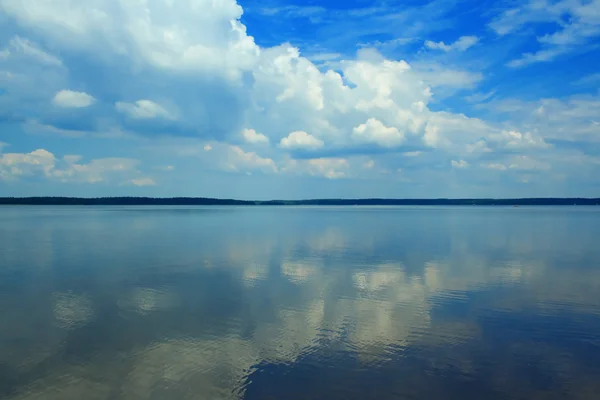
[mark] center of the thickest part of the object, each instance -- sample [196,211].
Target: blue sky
[282,99]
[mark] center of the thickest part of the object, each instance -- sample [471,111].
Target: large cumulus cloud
[191,69]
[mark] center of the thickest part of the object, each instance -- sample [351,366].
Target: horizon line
[302,199]
[132,200]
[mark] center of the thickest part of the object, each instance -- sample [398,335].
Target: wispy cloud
[592,79]
[380,24]
[321,57]
[24,46]
[293,11]
[462,44]
[577,22]
[480,97]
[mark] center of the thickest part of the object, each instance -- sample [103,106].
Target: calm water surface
[298,303]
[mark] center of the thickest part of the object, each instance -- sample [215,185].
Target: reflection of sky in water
[298,302]
[71,311]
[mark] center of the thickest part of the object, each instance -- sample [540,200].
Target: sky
[261,99]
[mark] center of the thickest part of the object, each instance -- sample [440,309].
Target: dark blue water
[299,303]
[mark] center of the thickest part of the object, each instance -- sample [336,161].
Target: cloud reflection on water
[196,307]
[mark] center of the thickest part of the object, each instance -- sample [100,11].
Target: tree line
[202,201]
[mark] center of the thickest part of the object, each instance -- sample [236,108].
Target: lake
[299,302]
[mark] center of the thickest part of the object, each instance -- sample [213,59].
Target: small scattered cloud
[496,166]
[517,140]
[462,44]
[143,109]
[141,182]
[15,165]
[69,169]
[238,160]
[300,140]
[528,163]
[72,99]
[253,137]
[387,44]
[460,164]
[330,168]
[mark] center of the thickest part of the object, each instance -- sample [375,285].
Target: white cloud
[576,23]
[330,168]
[238,160]
[35,127]
[14,165]
[592,79]
[569,118]
[143,109]
[24,46]
[518,140]
[478,147]
[480,97]
[462,44]
[532,58]
[293,11]
[209,78]
[321,57]
[72,159]
[460,164]
[443,78]
[140,182]
[455,132]
[433,138]
[166,168]
[301,140]
[369,164]
[41,162]
[528,163]
[72,99]
[288,92]
[374,131]
[496,166]
[251,136]
[218,43]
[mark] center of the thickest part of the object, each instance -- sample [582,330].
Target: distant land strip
[201,201]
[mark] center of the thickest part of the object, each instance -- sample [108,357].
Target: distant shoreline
[201,201]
